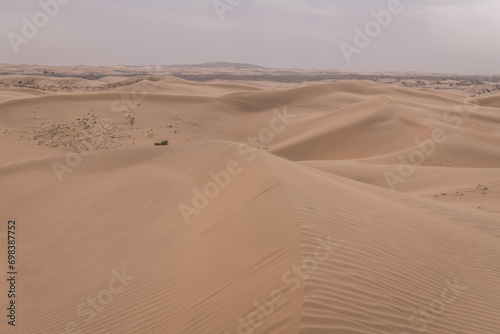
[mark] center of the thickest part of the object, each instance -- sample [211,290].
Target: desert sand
[334,207]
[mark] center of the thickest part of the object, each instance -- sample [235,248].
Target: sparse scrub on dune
[481,187]
[84,133]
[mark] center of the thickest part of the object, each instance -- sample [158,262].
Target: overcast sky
[447,36]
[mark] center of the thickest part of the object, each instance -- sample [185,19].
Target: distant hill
[222,64]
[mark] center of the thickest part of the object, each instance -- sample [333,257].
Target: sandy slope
[490,101]
[467,187]
[302,235]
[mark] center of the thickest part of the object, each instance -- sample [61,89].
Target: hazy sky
[456,36]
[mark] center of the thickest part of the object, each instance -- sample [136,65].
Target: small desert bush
[162,143]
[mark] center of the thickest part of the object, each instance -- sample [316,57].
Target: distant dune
[338,207]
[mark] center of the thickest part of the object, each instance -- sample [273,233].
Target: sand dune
[347,207]
[490,101]
[477,188]
[203,276]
